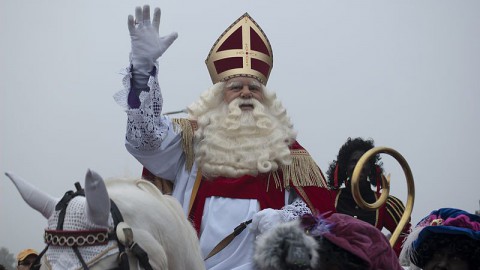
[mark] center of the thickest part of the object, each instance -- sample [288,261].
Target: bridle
[122,234]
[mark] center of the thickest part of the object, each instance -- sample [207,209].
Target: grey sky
[405,73]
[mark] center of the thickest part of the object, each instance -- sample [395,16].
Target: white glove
[147,45]
[265,220]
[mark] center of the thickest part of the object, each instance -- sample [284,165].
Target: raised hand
[147,45]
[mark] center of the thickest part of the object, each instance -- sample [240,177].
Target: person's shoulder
[394,201]
[186,127]
[297,150]
[395,207]
[296,147]
[185,123]
[303,171]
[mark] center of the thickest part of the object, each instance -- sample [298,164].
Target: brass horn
[385,187]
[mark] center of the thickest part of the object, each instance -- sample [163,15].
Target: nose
[246,93]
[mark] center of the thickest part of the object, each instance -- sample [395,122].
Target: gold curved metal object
[385,187]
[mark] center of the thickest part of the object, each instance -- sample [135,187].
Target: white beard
[232,143]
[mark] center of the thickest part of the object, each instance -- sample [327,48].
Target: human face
[352,162]
[443,260]
[245,88]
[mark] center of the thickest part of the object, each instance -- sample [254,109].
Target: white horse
[157,222]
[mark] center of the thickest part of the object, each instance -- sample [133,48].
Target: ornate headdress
[242,50]
[444,221]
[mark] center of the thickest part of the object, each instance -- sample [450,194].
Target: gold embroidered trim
[337,198]
[186,127]
[195,188]
[395,208]
[302,172]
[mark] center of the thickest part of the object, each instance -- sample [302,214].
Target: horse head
[82,232]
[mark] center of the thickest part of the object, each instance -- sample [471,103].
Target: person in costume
[335,242]
[235,159]
[340,172]
[446,239]
[26,259]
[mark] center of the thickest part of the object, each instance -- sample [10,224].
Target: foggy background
[405,73]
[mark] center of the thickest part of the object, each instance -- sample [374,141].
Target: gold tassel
[303,171]
[186,127]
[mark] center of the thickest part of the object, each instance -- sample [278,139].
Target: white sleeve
[145,130]
[150,136]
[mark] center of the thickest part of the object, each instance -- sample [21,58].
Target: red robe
[268,188]
[319,200]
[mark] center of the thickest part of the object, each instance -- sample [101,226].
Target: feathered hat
[242,50]
[447,221]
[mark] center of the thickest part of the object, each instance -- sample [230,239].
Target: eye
[235,88]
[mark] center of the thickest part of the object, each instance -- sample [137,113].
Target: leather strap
[80,258]
[141,255]
[196,185]
[117,218]
[36,264]
[227,240]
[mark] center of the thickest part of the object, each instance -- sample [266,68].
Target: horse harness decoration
[122,233]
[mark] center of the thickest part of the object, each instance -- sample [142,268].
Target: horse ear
[98,202]
[37,199]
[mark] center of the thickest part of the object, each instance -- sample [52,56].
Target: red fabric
[363,240]
[260,66]
[335,177]
[245,187]
[319,200]
[257,44]
[390,224]
[225,64]
[380,222]
[244,47]
[378,179]
[296,146]
[233,42]
[146,174]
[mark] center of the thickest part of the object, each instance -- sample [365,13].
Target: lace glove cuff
[269,218]
[295,210]
[145,128]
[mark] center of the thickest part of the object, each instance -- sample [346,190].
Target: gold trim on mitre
[242,50]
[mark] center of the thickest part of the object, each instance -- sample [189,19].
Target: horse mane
[160,223]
